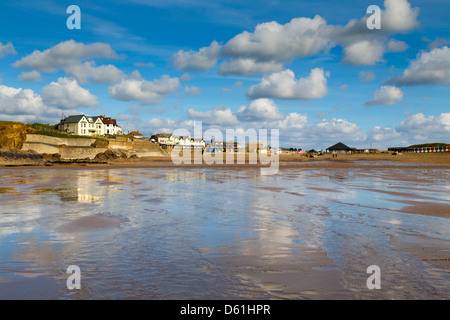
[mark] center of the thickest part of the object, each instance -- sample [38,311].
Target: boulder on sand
[107,155]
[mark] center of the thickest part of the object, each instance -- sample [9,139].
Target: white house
[110,126]
[183,141]
[198,143]
[89,126]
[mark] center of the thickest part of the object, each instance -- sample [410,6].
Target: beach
[152,230]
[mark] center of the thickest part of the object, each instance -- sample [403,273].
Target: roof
[94,118]
[135,133]
[108,120]
[73,119]
[339,146]
[163,135]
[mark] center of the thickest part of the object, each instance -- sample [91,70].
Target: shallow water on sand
[225,233]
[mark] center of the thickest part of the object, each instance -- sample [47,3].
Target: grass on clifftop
[430,145]
[49,130]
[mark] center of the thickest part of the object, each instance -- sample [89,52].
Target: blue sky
[313,70]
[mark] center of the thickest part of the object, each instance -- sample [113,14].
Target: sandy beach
[226,232]
[285,160]
[432,158]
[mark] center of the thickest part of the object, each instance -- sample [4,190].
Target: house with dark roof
[81,125]
[110,126]
[163,138]
[136,135]
[89,126]
[339,148]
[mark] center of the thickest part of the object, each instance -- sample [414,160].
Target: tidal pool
[225,233]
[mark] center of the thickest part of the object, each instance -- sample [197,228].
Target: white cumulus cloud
[396,46]
[135,88]
[248,66]
[398,16]
[272,41]
[88,72]
[426,128]
[284,85]
[364,52]
[192,91]
[386,95]
[30,76]
[67,94]
[63,55]
[204,59]
[365,76]
[15,101]
[216,116]
[6,49]
[431,67]
[262,109]
[378,133]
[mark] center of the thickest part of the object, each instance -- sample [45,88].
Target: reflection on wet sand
[220,233]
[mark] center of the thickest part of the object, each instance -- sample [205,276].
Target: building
[89,126]
[216,146]
[136,135]
[233,146]
[168,139]
[339,148]
[198,143]
[422,149]
[110,126]
[82,125]
[255,147]
[163,138]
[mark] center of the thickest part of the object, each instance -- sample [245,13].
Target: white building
[89,126]
[110,126]
[169,139]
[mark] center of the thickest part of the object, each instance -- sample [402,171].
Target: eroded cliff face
[14,134]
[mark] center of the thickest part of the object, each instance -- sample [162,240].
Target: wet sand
[161,231]
[288,160]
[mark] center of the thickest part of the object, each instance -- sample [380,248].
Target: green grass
[10,123]
[430,145]
[50,130]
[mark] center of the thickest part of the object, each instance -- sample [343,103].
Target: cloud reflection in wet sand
[305,233]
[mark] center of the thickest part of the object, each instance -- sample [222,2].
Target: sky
[314,70]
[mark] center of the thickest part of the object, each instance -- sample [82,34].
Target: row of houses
[169,141]
[420,150]
[83,125]
[342,148]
